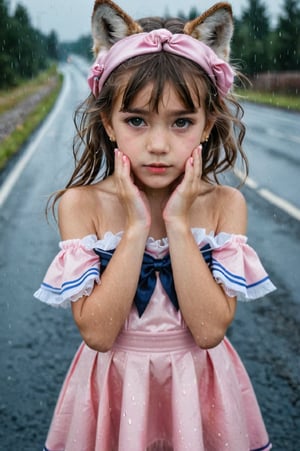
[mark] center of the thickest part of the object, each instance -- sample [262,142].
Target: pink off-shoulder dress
[155,389]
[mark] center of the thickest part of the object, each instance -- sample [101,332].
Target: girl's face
[157,143]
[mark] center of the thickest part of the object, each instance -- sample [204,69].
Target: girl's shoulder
[226,209]
[229,195]
[232,210]
[81,196]
[80,207]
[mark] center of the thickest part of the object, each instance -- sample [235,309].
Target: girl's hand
[185,193]
[133,200]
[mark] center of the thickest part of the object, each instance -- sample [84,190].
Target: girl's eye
[135,121]
[182,123]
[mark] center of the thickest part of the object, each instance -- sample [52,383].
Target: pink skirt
[157,392]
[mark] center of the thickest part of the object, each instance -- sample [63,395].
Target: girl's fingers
[197,162]
[122,163]
[193,166]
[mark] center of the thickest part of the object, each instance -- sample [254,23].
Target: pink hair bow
[156,41]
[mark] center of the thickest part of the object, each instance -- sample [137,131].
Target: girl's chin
[157,183]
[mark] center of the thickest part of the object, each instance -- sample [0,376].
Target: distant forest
[258,45]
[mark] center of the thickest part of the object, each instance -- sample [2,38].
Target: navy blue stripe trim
[73,283]
[228,274]
[261,449]
[238,280]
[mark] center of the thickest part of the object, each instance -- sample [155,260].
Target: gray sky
[71,18]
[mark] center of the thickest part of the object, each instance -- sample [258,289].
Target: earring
[112,138]
[207,138]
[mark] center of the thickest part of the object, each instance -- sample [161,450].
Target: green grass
[12,143]
[9,99]
[272,99]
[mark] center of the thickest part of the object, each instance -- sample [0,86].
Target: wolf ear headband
[205,40]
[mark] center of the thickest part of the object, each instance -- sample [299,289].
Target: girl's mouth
[156,168]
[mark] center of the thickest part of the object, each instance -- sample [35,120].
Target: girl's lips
[156,169]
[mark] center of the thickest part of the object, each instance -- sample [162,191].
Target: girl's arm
[101,316]
[204,305]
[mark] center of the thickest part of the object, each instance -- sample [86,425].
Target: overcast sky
[71,18]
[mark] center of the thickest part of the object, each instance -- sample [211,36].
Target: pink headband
[157,41]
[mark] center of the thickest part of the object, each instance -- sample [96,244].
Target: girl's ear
[207,130]
[108,128]
[214,28]
[110,24]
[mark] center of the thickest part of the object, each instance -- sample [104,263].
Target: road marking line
[249,181]
[279,135]
[15,173]
[279,202]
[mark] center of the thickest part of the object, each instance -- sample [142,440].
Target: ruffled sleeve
[72,274]
[236,266]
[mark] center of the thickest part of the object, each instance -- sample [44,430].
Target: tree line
[258,45]
[24,50]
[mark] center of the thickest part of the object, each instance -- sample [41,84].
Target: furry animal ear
[214,28]
[110,24]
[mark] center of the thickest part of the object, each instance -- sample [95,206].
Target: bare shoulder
[232,210]
[76,212]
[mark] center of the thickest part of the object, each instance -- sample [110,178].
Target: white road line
[279,135]
[14,175]
[281,203]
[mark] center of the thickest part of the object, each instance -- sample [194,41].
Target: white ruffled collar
[160,246]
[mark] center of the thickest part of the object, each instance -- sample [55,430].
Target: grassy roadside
[12,143]
[276,100]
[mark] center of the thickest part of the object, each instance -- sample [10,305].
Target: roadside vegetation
[277,100]
[9,100]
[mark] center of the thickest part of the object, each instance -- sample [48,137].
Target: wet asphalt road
[37,342]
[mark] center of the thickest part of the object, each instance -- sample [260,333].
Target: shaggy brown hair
[94,152]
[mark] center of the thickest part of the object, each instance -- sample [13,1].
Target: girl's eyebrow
[146,112]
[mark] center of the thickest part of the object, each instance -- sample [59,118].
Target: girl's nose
[157,141]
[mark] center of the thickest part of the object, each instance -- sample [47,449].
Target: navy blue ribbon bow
[147,279]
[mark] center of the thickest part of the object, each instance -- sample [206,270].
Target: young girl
[154,251]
